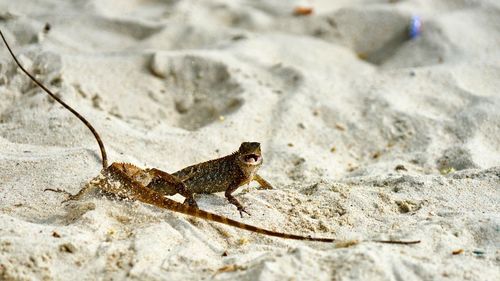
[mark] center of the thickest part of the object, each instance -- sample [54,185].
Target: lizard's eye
[252,158]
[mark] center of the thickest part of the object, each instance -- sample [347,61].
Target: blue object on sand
[415,28]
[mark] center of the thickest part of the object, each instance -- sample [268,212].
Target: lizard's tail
[52,95]
[195,212]
[188,210]
[127,187]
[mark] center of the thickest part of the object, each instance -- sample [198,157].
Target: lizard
[224,174]
[129,181]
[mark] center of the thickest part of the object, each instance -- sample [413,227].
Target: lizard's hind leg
[168,184]
[70,197]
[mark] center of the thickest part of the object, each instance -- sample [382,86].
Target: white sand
[155,77]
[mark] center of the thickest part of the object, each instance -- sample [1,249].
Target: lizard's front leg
[169,185]
[263,183]
[233,200]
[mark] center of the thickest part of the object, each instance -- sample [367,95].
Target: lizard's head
[250,154]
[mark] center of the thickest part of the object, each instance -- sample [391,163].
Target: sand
[365,133]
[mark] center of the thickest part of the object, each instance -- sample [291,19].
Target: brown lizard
[129,181]
[222,174]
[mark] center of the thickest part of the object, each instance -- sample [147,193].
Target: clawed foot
[236,203]
[70,196]
[242,210]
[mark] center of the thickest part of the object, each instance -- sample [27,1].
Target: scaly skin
[118,179]
[127,181]
[223,174]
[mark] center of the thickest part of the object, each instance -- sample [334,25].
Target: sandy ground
[366,135]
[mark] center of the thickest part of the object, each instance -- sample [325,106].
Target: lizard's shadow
[210,201]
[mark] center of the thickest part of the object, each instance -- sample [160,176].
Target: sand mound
[366,135]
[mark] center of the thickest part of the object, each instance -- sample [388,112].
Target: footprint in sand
[203,88]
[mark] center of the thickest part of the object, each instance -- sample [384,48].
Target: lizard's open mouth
[252,159]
